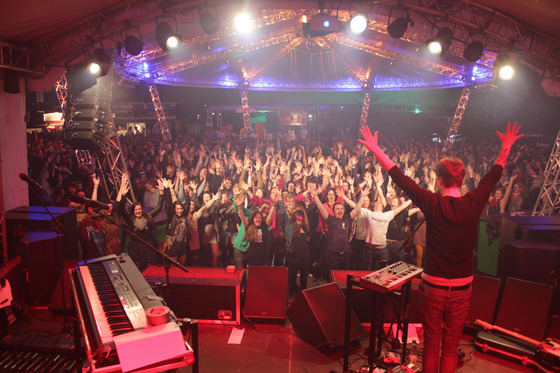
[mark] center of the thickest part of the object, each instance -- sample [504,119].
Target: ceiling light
[133,45]
[504,67]
[99,63]
[209,23]
[398,27]
[440,43]
[243,23]
[358,24]
[166,38]
[473,51]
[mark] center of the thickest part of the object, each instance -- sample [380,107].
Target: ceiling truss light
[398,27]
[243,23]
[99,63]
[166,38]
[504,67]
[133,45]
[209,23]
[358,24]
[440,43]
[473,51]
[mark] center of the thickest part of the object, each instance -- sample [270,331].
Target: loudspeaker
[532,261]
[208,295]
[484,297]
[267,294]
[361,299]
[25,219]
[42,255]
[525,308]
[318,317]
[11,81]
[61,300]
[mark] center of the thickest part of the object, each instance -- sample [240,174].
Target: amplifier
[208,295]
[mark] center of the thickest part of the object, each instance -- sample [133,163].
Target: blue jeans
[372,257]
[444,313]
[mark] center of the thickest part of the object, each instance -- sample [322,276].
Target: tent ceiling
[36,35]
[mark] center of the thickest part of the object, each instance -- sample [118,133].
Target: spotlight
[358,24]
[504,67]
[320,25]
[243,23]
[398,27]
[99,63]
[133,45]
[209,23]
[440,43]
[473,51]
[166,38]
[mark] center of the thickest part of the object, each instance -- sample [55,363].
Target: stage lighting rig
[320,25]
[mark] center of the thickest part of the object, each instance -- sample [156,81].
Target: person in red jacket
[452,222]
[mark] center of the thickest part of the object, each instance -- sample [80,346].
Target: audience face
[257,219]
[331,196]
[138,210]
[179,210]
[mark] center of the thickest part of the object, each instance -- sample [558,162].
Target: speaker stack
[267,295]
[87,125]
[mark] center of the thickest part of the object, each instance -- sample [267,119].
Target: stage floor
[254,347]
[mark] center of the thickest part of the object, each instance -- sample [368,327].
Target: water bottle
[413,357]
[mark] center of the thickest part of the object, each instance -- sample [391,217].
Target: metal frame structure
[110,161]
[548,203]
[459,112]
[162,122]
[246,114]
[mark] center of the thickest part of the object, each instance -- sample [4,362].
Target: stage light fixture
[99,63]
[504,68]
[440,43]
[209,23]
[358,24]
[243,23]
[166,38]
[320,25]
[473,51]
[133,45]
[398,27]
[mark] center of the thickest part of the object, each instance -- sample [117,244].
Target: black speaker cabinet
[525,308]
[318,317]
[42,256]
[532,261]
[485,291]
[61,300]
[24,219]
[209,295]
[267,294]
[11,81]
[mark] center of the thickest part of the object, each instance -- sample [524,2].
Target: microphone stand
[58,228]
[409,238]
[167,260]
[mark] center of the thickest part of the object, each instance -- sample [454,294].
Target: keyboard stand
[376,328]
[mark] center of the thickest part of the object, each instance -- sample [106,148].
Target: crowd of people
[311,204]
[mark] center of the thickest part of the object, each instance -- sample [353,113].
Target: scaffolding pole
[246,114]
[548,201]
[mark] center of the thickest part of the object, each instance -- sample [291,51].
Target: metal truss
[451,72]
[294,43]
[365,108]
[175,67]
[459,112]
[61,88]
[162,122]
[21,59]
[548,203]
[246,114]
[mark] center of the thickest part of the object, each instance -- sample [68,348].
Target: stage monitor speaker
[61,300]
[42,255]
[532,261]
[11,81]
[318,317]
[525,308]
[208,295]
[267,294]
[484,297]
